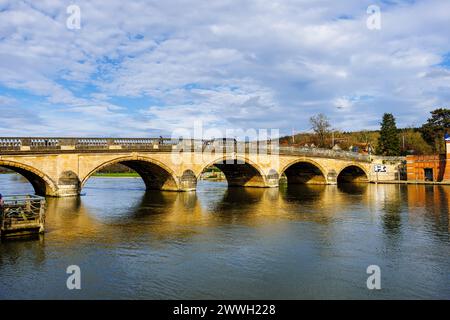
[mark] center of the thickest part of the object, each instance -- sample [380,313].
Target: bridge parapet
[13,145]
[43,144]
[324,153]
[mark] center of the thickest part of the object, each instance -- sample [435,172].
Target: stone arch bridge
[61,166]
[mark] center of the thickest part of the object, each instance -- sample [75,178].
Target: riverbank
[136,175]
[412,182]
[222,178]
[117,175]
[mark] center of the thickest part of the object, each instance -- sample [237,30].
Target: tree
[434,129]
[412,142]
[321,127]
[388,142]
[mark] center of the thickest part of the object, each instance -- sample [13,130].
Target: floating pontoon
[22,215]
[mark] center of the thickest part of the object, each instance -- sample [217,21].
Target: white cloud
[257,64]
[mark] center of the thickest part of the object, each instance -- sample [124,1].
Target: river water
[295,242]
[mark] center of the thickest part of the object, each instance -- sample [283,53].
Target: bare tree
[321,127]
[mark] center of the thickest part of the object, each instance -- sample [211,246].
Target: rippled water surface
[219,243]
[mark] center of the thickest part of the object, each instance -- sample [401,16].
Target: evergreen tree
[389,142]
[434,129]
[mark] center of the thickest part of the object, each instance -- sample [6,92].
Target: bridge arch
[43,185]
[304,171]
[241,173]
[155,174]
[354,173]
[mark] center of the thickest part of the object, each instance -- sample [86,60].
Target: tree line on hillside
[389,140]
[432,132]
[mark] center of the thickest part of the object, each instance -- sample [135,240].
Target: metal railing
[44,144]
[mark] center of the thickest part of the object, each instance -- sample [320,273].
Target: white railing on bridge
[133,141]
[92,143]
[10,143]
[42,144]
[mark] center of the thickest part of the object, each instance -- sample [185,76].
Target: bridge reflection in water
[301,241]
[159,213]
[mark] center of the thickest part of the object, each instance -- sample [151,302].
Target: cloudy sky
[144,68]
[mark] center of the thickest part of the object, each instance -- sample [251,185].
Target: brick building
[429,167]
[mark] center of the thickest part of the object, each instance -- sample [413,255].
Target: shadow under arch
[155,203]
[353,173]
[239,172]
[155,174]
[353,188]
[303,193]
[41,183]
[237,204]
[304,172]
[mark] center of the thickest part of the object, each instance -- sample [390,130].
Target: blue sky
[145,68]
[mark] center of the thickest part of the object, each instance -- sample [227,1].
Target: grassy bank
[117,175]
